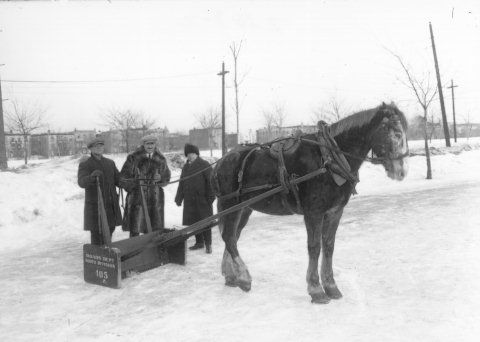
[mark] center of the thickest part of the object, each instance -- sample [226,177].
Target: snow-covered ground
[407,260]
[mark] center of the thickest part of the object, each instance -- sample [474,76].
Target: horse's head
[390,145]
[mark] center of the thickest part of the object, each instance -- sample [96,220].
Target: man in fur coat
[197,195]
[145,169]
[97,166]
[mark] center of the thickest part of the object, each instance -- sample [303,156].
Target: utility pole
[453,105]
[3,150]
[223,73]
[440,92]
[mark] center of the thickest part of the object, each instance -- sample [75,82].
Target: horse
[321,199]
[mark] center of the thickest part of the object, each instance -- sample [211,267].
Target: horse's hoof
[230,282]
[320,298]
[244,285]
[333,292]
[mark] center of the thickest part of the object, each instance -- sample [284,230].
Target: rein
[373,160]
[205,168]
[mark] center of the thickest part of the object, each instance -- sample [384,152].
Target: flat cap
[95,141]
[149,138]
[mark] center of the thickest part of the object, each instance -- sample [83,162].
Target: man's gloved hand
[179,203]
[96,173]
[130,186]
[157,178]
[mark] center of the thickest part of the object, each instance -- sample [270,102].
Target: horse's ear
[321,124]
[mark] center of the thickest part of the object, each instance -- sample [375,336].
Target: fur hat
[149,138]
[190,148]
[95,141]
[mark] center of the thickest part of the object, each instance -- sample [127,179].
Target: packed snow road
[407,263]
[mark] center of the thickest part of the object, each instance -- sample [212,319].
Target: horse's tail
[224,177]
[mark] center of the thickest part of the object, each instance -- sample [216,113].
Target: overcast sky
[163,57]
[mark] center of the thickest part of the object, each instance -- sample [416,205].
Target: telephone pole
[440,92]
[223,73]
[3,150]
[453,105]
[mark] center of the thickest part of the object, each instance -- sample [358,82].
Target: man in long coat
[197,194]
[88,171]
[144,170]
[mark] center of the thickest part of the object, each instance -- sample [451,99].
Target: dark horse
[382,130]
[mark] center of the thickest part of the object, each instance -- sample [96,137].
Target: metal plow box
[108,265]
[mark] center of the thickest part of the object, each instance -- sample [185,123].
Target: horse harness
[333,161]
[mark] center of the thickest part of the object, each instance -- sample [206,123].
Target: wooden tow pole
[145,207]
[102,216]
[175,236]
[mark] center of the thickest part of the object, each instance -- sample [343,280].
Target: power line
[107,81]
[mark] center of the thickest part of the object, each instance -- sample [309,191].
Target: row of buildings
[52,144]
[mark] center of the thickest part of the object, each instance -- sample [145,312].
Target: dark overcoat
[139,166]
[108,181]
[195,192]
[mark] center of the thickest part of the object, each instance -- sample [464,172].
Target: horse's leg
[233,267]
[244,216]
[330,225]
[228,269]
[314,228]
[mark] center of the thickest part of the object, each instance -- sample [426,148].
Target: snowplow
[108,264]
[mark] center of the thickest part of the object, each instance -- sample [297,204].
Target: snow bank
[406,260]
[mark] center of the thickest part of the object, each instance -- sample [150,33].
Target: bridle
[390,156]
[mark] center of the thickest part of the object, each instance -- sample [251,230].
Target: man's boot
[196,246]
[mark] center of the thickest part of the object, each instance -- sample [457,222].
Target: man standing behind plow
[195,191]
[103,169]
[144,170]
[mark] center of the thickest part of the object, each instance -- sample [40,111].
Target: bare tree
[210,120]
[269,125]
[424,92]
[468,125]
[146,123]
[235,49]
[24,119]
[331,111]
[125,120]
[432,126]
[279,115]
[3,149]
[274,119]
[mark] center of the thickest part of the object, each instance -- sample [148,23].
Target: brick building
[14,145]
[206,138]
[177,141]
[116,140]
[81,138]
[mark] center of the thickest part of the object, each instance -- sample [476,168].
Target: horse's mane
[363,118]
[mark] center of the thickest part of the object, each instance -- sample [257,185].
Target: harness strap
[332,155]
[294,187]
[240,173]
[247,190]
[284,180]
